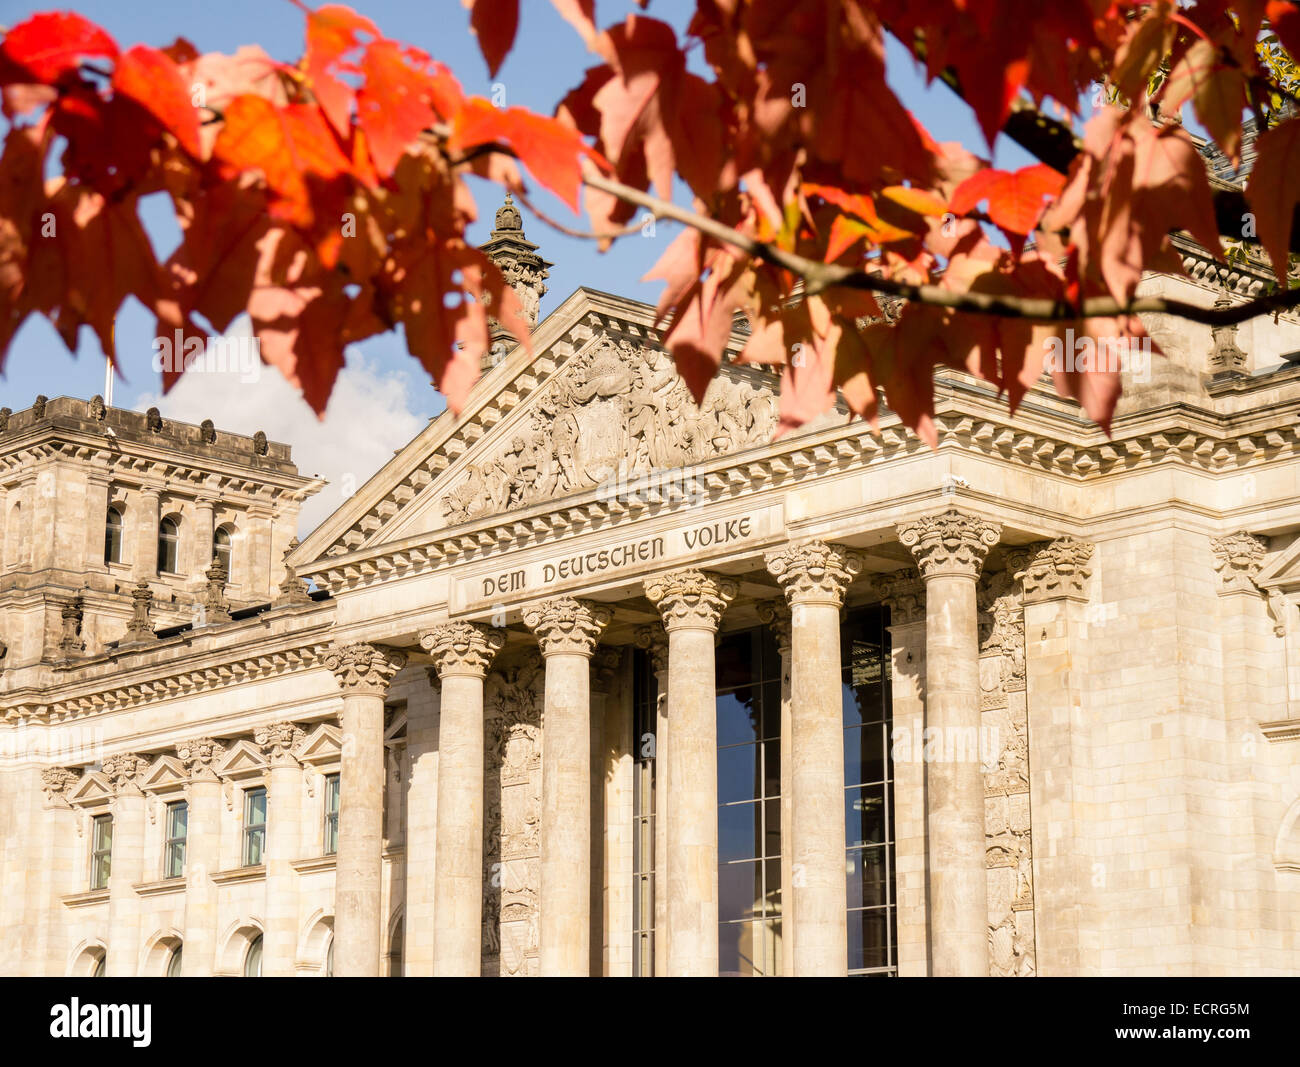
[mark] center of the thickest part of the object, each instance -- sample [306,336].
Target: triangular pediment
[166,774]
[597,403]
[93,788]
[1283,571]
[242,760]
[323,745]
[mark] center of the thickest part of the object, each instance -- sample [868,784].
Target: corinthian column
[462,653]
[814,576]
[363,673]
[284,840]
[567,631]
[949,549]
[127,863]
[691,603]
[202,855]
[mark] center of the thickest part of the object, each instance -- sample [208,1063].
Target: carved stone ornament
[1237,558]
[198,755]
[140,628]
[691,599]
[462,648]
[277,741]
[71,641]
[124,773]
[208,431]
[96,408]
[950,543]
[293,590]
[363,667]
[56,781]
[154,420]
[903,592]
[654,639]
[260,444]
[565,626]
[1058,570]
[814,572]
[216,608]
[775,615]
[615,411]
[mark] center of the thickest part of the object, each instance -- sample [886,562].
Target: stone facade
[1093,672]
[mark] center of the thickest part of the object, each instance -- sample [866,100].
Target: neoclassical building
[593,681]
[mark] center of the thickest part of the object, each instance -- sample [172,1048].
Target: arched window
[329,960]
[174,962]
[169,538]
[253,958]
[113,536]
[221,548]
[100,969]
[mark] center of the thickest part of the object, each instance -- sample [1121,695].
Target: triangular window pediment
[1283,571]
[93,788]
[242,760]
[165,775]
[324,745]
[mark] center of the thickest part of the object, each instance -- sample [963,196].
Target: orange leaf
[398,100]
[47,46]
[153,81]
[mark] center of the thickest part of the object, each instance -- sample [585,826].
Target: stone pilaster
[462,653]
[949,549]
[144,555]
[127,870]
[202,854]
[1054,580]
[691,603]
[283,846]
[567,631]
[201,556]
[364,673]
[654,639]
[814,576]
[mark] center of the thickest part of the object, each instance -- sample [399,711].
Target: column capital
[1057,570]
[654,639]
[462,648]
[124,772]
[277,741]
[949,543]
[56,783]
[1238,558]
[814,572]
[364,668]
[691,599]
[904,593]
[564,625]
[604,669]
[199,754]
[775,614]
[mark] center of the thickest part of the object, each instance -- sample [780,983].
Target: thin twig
[569,231]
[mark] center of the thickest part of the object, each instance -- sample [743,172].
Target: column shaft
[357,918]
[202,860]
[126,872]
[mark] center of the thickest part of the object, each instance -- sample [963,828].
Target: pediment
[323,745]
[93,788]
[600,403]
[242,760]
[1283,571]
[166,774]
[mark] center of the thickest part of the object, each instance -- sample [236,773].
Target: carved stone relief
[512,815]
[616,410]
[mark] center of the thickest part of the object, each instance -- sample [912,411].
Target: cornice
[240,874]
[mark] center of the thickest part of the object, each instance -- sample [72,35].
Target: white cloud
[369,417]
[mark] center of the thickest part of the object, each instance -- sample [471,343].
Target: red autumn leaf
[495,23]
[1016,198]
[153,81]
[400,98]
[48,46]
[1273,191]
[1217,91]
[1284,17]
[331,33]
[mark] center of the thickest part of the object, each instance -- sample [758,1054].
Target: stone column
[604,681]
[283,846]
[144,561]
[654,639]
[1053,585]
[691,603]
[949,549]
[775,614]
[202,542]
[567,631]
[462,653]
[128,807]
[202,855]
[814,576]
[364,673]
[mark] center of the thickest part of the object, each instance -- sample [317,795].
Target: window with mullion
[331,814]
[174,845]
[254,827]
[101,851]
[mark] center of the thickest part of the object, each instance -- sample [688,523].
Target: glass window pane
[253,958]
[738,773]
[772,827]
[736,659]
[772,767]
[738,716]
[174,963]
[868,939]
[771,725]
[864,809]
[740,891]
[739,832]
[864,754]
[866,877]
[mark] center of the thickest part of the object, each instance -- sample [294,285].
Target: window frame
[250,829]
[98,852]
[169,545]
[330,828]
[255,944]
[111,557]
[223,553]
[173,844]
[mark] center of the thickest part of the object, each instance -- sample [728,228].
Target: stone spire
[524,269]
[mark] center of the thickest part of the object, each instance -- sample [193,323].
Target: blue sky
[383,389]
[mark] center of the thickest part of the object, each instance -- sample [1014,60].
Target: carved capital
[691,600]
[363,667]
[124,773]
[462,648]
[199,754]
[903,592]
[277,741]
[814,572]
[56,781]
[654,639]
[604,669]
[1058,570]
[775,614]
[567,626]
[1238,558]
[949,543]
